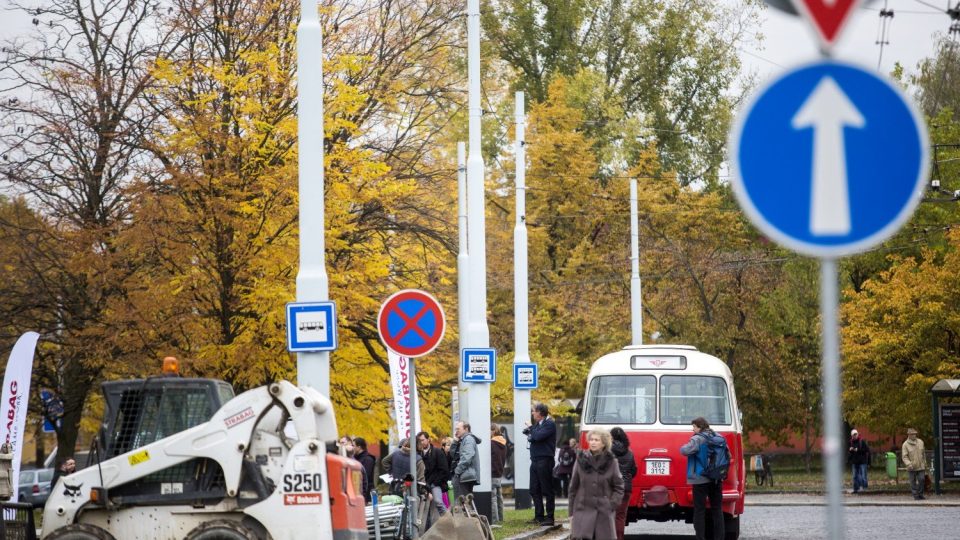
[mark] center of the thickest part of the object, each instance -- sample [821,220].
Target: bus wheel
[80,531]
[731,527]
[221,529]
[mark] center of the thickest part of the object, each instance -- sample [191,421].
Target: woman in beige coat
[596,488]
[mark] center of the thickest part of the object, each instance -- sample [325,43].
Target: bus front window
[685,397]
[622,399]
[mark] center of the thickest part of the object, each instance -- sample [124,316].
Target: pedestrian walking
[498,459]
[369,465]
[628,470]
[466,473]
[916,462]
[397,465]
[596,489]
[565,461]
[704,488]
[542,436]
[435,470]
[858,454]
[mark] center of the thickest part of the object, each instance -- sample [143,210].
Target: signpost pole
[833,445]
[313,368]
[478,335]
[414,451]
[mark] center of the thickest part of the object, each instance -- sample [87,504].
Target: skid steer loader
[183,458]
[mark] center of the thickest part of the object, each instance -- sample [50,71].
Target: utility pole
[313,368]
[636,310]
[521,397]
[463,275]
[478,334]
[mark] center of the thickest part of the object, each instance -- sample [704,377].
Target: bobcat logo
[72,491]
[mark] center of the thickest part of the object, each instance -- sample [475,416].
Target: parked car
[34,486]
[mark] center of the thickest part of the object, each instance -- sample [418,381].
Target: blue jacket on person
[696,451]
[543,438]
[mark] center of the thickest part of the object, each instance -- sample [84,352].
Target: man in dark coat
[859,456]
[369,463]
[435,469]
[542,436]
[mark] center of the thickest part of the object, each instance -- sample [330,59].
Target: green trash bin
[891,464]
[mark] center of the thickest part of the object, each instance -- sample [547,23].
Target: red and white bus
[653,392]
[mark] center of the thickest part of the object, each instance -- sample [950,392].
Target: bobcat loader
[183,459]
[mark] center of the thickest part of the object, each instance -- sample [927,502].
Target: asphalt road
[807,522]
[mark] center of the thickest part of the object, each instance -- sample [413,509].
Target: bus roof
[618,363]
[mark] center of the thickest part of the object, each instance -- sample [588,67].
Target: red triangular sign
[827,16]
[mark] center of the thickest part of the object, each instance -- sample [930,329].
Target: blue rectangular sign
[311,326]
[526,376]
[478,365]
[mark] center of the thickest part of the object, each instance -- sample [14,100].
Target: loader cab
[138,412]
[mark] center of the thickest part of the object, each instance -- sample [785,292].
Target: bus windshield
[620,399]
[685,397]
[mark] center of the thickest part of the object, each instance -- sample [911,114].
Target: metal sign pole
[414,451]
[830,376]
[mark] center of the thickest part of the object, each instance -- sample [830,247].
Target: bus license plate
[658,468]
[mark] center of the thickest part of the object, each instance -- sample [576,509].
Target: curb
[536,533]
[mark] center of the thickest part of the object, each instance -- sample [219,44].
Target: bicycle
[762,470]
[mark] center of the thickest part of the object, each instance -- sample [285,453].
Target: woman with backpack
[697,451]
[565,460]
[628,470]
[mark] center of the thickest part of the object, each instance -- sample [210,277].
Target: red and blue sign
[411,323]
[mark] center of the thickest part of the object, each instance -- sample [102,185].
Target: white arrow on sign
[828,110]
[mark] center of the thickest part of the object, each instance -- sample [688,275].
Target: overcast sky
[787,40]
[911,35]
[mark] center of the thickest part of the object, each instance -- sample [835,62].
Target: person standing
[628,470]
[6,472]
[858,454]
[435,469]
[596,489]
[703,488]
[542,436]
[369,464]
[916,462]
[498,460]
[565,460]
[68,467]
[397,465]
[466,473]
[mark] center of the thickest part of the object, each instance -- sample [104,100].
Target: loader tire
[222,529]
[80,531]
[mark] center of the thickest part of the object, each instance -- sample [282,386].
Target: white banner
[400,381]
[13,407]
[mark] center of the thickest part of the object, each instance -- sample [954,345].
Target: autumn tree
[73,124]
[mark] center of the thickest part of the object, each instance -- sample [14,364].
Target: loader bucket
[461,522]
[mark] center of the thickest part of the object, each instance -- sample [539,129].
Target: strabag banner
[400,381]
[13,407]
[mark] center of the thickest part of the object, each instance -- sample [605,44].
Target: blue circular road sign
[829,159]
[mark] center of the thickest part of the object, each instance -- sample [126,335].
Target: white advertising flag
[400,381]
[16,389]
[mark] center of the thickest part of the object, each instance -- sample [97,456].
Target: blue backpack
[717,459]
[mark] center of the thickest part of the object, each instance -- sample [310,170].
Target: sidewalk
[812,499]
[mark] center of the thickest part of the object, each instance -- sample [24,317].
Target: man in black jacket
[369,464]
[435,469]
[542,436]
